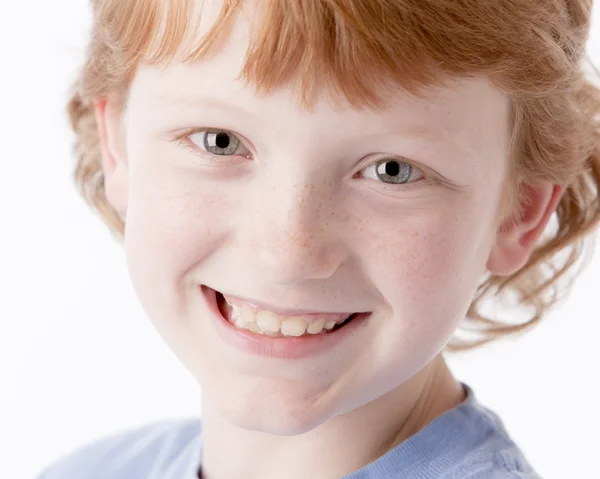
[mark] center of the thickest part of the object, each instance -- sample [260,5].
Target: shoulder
[467,442]
[490,453]
[502,463]
[495,457]
[146,451]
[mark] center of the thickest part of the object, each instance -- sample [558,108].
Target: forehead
[463,112]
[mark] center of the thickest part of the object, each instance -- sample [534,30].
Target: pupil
[222,140]
[392,168]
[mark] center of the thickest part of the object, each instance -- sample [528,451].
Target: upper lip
[261,305]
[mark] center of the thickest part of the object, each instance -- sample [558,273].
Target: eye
[219,143]
[392,171]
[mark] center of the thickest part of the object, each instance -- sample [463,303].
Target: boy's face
[298,217]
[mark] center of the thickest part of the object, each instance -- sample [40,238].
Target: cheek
[428,269]
[173,224]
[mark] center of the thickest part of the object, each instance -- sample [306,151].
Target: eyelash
[183,140]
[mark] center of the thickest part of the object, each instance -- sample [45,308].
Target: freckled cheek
[427,269]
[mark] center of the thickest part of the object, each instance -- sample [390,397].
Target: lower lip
[282,348]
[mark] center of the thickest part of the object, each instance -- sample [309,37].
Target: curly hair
[533,50]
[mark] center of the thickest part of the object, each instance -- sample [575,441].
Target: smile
[261,332]
[269,323]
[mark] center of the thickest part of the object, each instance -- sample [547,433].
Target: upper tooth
[247,313]
[268,321]
[293,327]
[316,326]
[239,321]
[236,311]
[253,327]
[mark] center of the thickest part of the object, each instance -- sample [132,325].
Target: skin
[291,222]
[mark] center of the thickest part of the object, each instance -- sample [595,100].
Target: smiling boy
[312,197]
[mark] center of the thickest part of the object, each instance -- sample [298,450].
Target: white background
[78,358]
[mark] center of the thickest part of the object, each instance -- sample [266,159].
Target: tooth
[268,321]
[330,325]
[293,327]
[247,314]
[234,312]
[253,327]
[316,326]
[239,322]
[237,309]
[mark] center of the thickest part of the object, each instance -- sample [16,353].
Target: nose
[292,234]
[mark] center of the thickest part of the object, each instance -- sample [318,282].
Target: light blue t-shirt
[467,442]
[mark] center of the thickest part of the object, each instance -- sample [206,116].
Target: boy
[313,196]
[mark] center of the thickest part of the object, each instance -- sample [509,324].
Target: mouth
[252,330]
[267,323]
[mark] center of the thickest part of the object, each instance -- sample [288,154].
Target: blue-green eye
[391,171]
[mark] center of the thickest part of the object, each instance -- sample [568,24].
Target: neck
[333,449]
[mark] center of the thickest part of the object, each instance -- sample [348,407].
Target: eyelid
[372,160]
[181,137]
[373,166]
[430,176]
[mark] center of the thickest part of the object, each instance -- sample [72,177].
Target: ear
[109,114]
[515,240]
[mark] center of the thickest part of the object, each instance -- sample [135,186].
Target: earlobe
[111,141]
[516,241]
